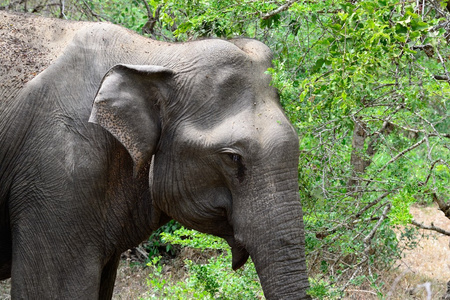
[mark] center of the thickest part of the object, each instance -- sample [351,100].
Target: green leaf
[416,24]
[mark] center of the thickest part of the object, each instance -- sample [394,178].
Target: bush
[155,246]
[211,280]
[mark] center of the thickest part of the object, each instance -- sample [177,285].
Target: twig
[438,134]
[430,134]
[364,209]
[431,169]
[371,234]
[141,252]
[362,291]
[61,9]
[443,64]
[441,77]
[383,85]
[401,154]
[440,25]
[279,9]
[93,14]
[394,284]
[432,227]
[353,276]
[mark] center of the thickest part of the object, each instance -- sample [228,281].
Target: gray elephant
[106,135]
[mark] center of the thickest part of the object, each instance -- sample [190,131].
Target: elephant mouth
[239,253]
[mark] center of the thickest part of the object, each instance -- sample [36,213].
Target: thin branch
[430,134]
[428,49]
[432,227]
[443,64]
[394,285]
[353,276]
[361,291]
[149,26]
[371,234]
[440,25]
[62,9]
[383,85]
[279,9]
[364,209]
[431,169]
[149,10]
[438,134]
[441,77]
[93,14]
[401,154]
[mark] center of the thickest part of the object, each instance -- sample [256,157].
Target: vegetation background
[365,83]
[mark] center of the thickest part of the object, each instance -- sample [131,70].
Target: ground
[428,265]
[421,274]
[424,271]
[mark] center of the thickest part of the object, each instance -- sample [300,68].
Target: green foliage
[194,239]
[155,245]
[321,289]
[212,280]
[362,65]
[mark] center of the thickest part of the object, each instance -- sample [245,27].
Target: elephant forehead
[211,96]
[249,131]
[229,131]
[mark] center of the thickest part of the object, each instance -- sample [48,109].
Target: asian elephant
[106,135]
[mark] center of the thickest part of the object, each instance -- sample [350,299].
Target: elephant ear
[127,105]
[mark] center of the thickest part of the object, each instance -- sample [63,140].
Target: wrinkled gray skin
[84,108]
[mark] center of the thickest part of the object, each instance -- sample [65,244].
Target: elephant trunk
[272,232]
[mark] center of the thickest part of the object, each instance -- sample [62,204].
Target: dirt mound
[28,45]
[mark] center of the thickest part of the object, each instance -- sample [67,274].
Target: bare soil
[424,271]
[421,274]
[28,45]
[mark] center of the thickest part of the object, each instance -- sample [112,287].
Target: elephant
[106,135]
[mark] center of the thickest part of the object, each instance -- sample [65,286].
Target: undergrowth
[210,279]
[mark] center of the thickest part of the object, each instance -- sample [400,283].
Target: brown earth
[28,45]
[424,271]
[428,265]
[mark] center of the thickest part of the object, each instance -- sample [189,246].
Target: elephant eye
[235,157]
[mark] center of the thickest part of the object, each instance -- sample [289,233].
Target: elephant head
[224,154]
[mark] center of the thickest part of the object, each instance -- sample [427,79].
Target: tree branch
[279,9]
[370,236]
[444,207]
[428,49]
[149,27]
[432,227]
[431,169]
[443,64]
[93,14]
[364,209]
[417,131]
[62,9]
[441,77]
[401,154]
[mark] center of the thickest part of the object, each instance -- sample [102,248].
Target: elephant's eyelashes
[237,159]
